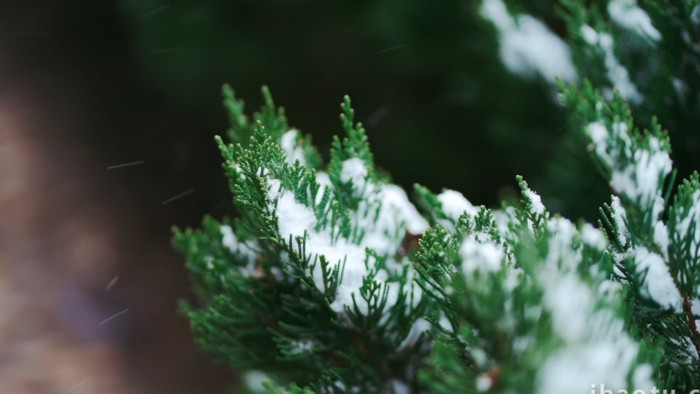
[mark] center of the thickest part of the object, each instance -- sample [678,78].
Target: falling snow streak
[163,51]
[156,11]
[183,194]
[116,315]
[80,383]
[129,164]
[111,283]
[36,34]
[401,46]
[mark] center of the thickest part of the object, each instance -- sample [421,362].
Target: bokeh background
[88,280]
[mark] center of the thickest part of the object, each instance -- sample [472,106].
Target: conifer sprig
[321,284]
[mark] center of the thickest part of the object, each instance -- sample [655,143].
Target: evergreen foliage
[330,280]
[313,282]
[645,49]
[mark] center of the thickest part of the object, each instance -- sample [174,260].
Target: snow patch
[383,217]
[658,283]
[570,303]
[661,238]
[486,257]
[483,382]
[396,208]
[608,362]
[535,201]
[593,237]
[528,47]
[641,181]
[240,249]
[302,346]
[619,217]
[417,329]
[291,147]
[691,222]
[454,204]
[354,170]
[617,73]
[399,387]
[254,380]
[503,218]
[324,182]
[628,15]
[293,218]
[561,255]
[599,136]
[695,14]
[229,238]
[297,220]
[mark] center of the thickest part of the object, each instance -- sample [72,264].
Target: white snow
[658,283]
[254,380]
[596,349]
[641,180]
[486,257]
[573,369]
[399,387]
[355,171]
[229,238]
[621,132]
[661,238]
[593,237]
[454,204]
[324,182]
[293,218]
[619,217]
[240,249]
[512,280]
[691,220]
[303,346]
[679,85]
[291,148]
[628,15]
[599,136]
[691,353]
[528,47]
[695,14]
[617,73]
[396,209]
[561,255]
[521,344]
[384,214]
[419,327]
[503,219]
[643,378]
[445,323]
[536,205]
[609,289]
[483,382]
[593,346]
[570,303]
[479,356]
[589,34]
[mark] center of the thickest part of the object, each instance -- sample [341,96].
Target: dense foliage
[329,278]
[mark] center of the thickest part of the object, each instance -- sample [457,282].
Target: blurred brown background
[71,106]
